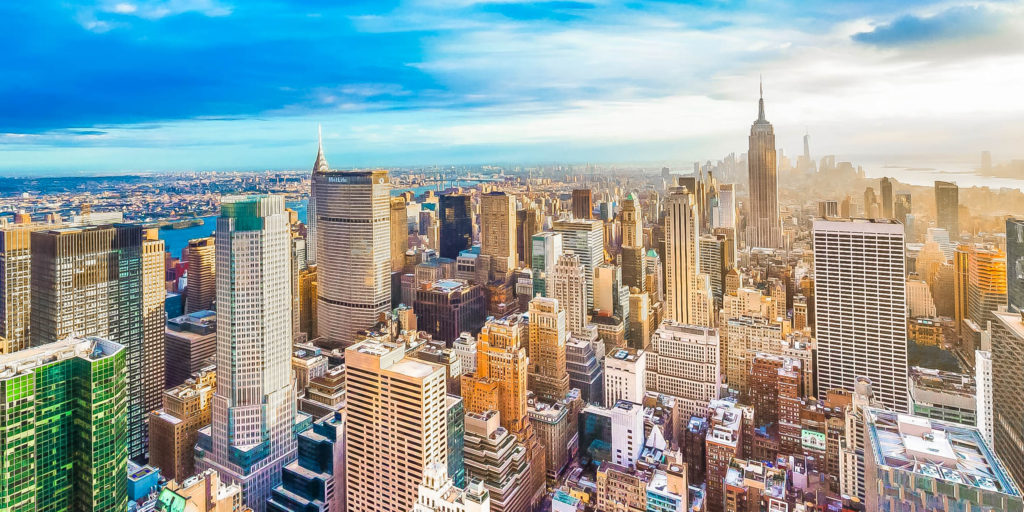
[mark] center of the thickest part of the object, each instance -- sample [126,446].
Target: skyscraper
[547,375]
[585,238]
[1015,264]
[456,224]
[88,281]
[498,230]
[681,263]
[861,307]
[568,285]
[396,425]
[583,203]
[632,222]
[15,284]
[947,208]
[153,322]
[1007,421]
[319,167]
[201,291]
[986,282]
[251,437]
[62,427]
[353,210]
[887,198]
[399,222]
[546,249]
[763,226]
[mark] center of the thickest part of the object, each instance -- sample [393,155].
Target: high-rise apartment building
[583,203]
[88,281]
[201,292]
[568,285]
[62,427]
[947,208]
[861,307]
[498,230]
[455,217]
[251,437]
[204,492]
[547,375]
[681,261]
[546,249]
[396,412]
[763,226]
[683,361]
[353,210]
[585,239]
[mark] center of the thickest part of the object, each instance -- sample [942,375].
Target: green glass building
[63,427]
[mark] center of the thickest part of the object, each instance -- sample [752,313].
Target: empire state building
[763,226]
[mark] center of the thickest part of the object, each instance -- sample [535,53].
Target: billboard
[812,440]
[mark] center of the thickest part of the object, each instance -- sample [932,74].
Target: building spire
[760,102]
[321,161]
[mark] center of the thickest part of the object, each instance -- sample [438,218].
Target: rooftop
[936,449]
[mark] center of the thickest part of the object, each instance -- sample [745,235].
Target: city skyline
[415,83]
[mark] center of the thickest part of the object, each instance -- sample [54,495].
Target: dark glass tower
[947,208]
[1015,264]
[456,224]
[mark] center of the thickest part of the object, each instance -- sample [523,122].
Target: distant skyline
[148,85]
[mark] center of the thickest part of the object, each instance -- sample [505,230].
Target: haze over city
[122,86]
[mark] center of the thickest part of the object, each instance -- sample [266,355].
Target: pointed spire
[760,102]
[320,165]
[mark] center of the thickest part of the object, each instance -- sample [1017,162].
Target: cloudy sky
[125,85]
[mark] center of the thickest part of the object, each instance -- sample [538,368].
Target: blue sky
[135,85]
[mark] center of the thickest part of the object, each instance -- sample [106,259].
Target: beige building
[568,284]
[204,492]
[173,430]
[683,361]
[399,233]
[396,425]
[547,376]
[498,230]
[681,264]
[201,291]
[15,279]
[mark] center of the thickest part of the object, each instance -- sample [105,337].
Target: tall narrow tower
[319,166]
[353,244]
[763,226]
[251,437]
[681,261]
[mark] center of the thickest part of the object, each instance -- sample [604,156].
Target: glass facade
[63,428]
